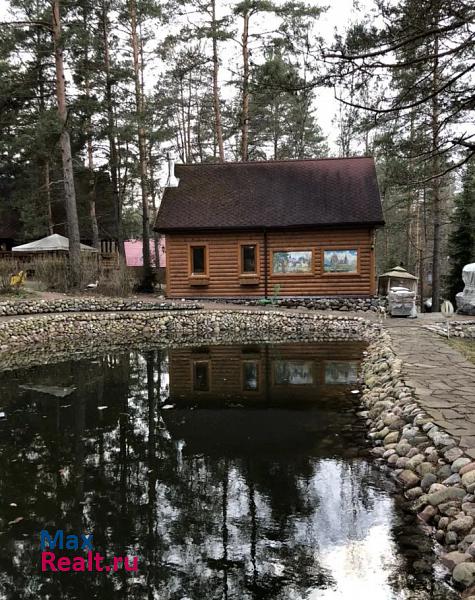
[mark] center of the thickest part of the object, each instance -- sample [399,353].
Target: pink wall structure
[134,252]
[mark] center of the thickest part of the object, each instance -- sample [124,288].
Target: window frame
[191,247]
[241,246]
[195,362]
[257,362]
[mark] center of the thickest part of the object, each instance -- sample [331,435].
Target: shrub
[115,282]
[53,272]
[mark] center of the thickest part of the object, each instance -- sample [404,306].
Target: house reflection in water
[306,385]
[230,375]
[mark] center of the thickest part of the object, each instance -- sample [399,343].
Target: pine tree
[282,123]
[65,145]
[424,47]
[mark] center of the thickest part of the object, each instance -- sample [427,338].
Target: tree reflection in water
[226,495]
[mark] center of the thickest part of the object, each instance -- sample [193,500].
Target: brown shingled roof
[275,194]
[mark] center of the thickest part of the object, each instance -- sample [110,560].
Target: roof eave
[371,224]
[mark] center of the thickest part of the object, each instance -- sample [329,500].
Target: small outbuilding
[254,229]
[51,243]
[396,278]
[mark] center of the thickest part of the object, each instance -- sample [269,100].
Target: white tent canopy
[52,243]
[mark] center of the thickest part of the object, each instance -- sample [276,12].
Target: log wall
[223,277]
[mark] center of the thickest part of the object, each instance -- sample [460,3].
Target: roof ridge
[270,162]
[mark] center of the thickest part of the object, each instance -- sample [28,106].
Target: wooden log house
[257,229]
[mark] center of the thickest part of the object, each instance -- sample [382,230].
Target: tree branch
[399,45]
[44,24]
[413,104]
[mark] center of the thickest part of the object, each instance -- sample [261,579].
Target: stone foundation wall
[335,303]
[87,304]
[459,329]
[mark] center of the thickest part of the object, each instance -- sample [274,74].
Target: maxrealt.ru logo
[93,561]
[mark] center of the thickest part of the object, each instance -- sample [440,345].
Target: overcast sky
[339,15]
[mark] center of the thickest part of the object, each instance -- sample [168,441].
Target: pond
[228,472]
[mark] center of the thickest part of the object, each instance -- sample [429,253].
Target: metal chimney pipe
[172,181]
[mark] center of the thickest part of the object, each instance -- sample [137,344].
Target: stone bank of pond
[232,472]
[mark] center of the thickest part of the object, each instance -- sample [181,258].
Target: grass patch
[465,347]
[19,294]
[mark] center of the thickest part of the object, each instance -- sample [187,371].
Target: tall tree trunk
[147,280]
[92,193]
[183,123]
[188,120]
[90,153]
[216,103]
[275,128]
[199,141]
[436,199]
[46,183]
[151,545]
[67,159]
[153,195]
[48,198]
[245,89]
[113,153]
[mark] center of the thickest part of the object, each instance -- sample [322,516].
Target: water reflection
[231,472]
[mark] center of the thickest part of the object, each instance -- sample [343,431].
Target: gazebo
[396,278]
[51,243]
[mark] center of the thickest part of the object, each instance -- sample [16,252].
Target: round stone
[468,480]
[459,463]
[464,573]
[428,513]
[452,559]
[461,525]
[414,461]
[452,480]
[391,438]
[427,481]
[453,454]
[440,535]
[467,468]
[414,493]
[450,538]
[424,468]
[403,448]
[408,479]
[443,522]
[445,495]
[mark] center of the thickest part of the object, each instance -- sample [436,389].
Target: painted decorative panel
[293,372]
[292,262]
[340,261]
[341,372]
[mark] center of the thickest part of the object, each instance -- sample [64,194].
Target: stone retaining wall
[335,303]
[434,473]
[22,341]
[87,304]
[459,329]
